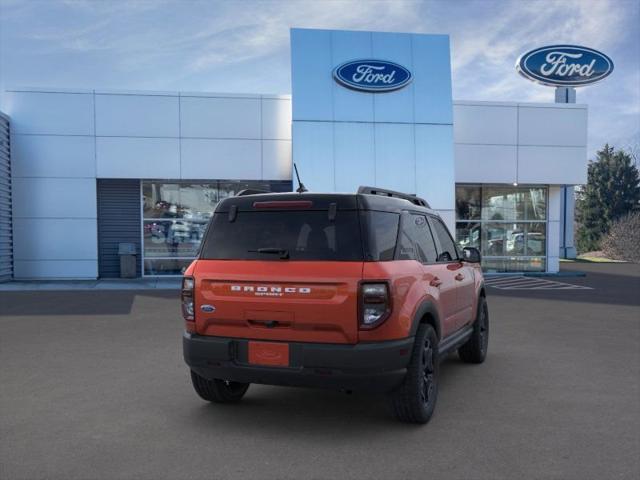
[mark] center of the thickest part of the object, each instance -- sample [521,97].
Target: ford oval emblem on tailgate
[208,308]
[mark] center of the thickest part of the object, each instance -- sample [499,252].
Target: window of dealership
[507,224]
[175,215]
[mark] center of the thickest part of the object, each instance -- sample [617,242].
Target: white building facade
[93,169]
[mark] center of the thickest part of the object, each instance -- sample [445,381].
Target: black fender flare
[426,308]
[482,291]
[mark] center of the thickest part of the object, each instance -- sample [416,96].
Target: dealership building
[88,175]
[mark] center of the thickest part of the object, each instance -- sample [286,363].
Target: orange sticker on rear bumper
[269,353]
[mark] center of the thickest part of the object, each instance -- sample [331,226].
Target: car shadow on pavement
[319,414]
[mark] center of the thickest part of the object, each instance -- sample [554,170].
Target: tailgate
[298,301]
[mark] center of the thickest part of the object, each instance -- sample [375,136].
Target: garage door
[6,240]
[118,222]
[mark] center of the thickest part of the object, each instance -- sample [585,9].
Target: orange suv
[363,291]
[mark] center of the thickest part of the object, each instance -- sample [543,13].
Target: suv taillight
[375,304]
[187,298]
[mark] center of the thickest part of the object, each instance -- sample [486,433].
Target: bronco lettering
[269,289]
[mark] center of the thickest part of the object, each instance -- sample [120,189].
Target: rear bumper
[378,367]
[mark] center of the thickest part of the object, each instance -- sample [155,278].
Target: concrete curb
[102,284]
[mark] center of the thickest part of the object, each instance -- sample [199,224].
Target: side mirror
[471,255]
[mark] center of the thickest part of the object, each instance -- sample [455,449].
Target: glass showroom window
[507,224]
[175,216]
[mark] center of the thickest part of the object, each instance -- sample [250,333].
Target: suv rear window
[267,235]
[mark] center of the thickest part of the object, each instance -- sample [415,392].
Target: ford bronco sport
[363,291]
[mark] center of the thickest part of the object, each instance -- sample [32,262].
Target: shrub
[623,240]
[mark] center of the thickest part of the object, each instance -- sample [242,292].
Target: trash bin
[127,252]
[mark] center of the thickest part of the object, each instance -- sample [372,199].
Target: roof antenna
[301,188]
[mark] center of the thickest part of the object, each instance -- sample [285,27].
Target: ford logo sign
[372,75]
[564,65]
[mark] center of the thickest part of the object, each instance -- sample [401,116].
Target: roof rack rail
[250,191]
[392,193]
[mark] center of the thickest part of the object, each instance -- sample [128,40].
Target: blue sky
[243,46]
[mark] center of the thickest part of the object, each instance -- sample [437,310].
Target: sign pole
[565,95]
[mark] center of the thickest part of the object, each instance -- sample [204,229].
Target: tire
[218,391]
[475,349]
[415,399]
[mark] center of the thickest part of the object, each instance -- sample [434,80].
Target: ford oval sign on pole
[372,75]
[564,65]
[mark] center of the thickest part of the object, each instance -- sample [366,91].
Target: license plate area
[270,354]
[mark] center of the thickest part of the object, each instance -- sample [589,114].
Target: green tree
[612,190]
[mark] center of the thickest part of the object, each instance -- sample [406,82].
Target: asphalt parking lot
[92,385]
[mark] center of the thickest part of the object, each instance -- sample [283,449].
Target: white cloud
[493,44]
[208,34]
[187,45]
[261,32]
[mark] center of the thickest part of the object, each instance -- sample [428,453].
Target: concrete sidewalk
[164,283]
[151,283]
[100,284]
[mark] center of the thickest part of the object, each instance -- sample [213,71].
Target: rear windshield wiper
[283,252]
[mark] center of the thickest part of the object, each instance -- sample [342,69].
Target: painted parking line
[530,283]
[508,281]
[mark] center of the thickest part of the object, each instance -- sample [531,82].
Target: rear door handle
[459,277]
[435,282]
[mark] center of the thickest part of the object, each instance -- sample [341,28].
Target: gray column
[567,216]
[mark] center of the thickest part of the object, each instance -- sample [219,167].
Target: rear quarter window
[381,233]
[416,241]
